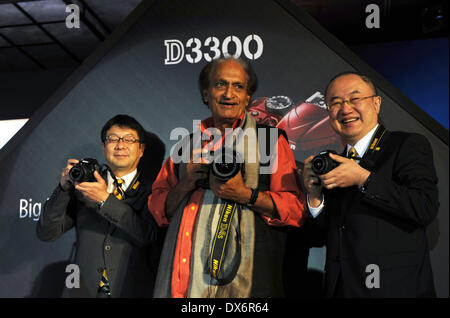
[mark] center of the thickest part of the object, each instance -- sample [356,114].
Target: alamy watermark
[373,279]
[244,145]
[373,19]
[73,19]
[73,279]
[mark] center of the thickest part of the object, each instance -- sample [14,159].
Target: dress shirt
[126,181]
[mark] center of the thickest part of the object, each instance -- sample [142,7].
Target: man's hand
[347,174]
[312,184]
[233,189]
[65,181]
[236,191]
[94,191]
[196,169]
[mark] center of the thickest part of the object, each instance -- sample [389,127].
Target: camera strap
[221,237]
[134,186]
[373,152]
[375,143]
[227,212]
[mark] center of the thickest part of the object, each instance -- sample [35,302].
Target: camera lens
[322,163]
[225,166]
[76,174]
[84,170]
[318,164]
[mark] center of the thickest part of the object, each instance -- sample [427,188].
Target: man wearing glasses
[114,227]
[371,211]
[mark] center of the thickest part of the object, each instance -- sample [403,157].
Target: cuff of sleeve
[283,218]
[363,189]
[315,211]
[289,207]
[100,204]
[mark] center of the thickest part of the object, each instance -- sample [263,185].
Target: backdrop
[148,69]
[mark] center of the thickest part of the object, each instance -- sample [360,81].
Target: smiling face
[122,157]
[352,122]
[227,95]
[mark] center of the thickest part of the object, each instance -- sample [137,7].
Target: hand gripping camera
[322,163]
[83,171]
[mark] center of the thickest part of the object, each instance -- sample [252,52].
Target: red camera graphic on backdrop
[306,123]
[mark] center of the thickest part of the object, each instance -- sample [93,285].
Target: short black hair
[123,120]
[205,74]
[364,77]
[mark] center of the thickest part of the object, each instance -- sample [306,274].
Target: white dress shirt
[126,178]
[111,186]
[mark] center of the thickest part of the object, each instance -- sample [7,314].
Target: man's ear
[377,101]
[205,96]
[248,98]
[142,149]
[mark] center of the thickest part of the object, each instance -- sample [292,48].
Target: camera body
[83,171]
[226,163]
[322,163]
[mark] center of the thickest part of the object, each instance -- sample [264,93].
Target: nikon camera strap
[373,152]
[221,237]
[224,224]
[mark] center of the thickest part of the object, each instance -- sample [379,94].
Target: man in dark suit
[114,227]
[371,211]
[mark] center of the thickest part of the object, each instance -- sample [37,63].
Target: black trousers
[339,290]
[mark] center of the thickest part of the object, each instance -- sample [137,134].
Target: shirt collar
[362,144]
[126,178]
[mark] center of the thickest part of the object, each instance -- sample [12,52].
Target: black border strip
[355,61]
[75,78]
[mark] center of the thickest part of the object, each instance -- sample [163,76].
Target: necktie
[104,284]
[118,191]
[352,153]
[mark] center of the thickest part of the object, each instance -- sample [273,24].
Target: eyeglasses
[129,139]
[356,101]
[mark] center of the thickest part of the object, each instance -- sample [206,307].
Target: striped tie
[352,153]
[104,284]
[118,191]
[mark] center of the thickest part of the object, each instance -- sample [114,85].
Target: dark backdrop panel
[132,78]
[418,68]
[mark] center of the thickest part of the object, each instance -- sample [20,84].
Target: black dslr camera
[83,171]
[225,164]
[322,163]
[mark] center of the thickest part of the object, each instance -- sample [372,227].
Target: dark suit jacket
[117,236]
[383,225]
